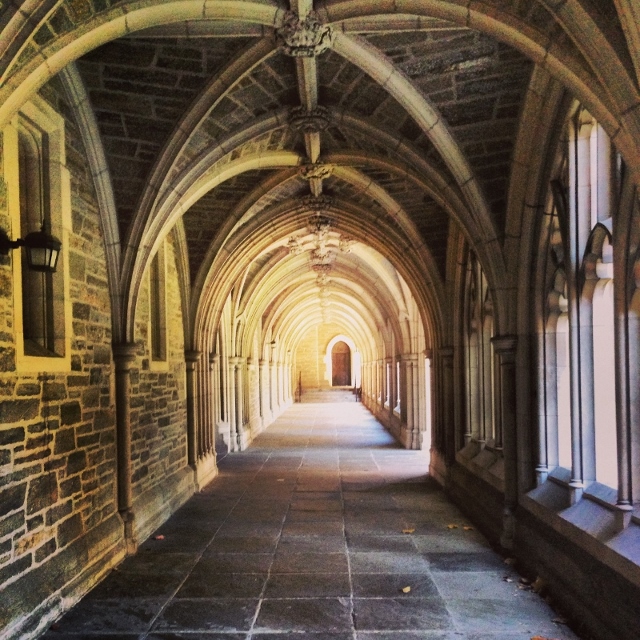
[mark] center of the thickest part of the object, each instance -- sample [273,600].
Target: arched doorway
[340,365]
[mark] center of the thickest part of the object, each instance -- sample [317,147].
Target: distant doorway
[340,365]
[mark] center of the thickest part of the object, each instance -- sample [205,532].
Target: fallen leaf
[159,537]
[525,581]
[538,585]
[406,589]
[541,638]
[507,579]
[280,480]
[408,530]
[468,528]
[452,526]
[524,587]
[560,620]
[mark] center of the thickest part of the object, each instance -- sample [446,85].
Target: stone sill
[594,522]
[483,461]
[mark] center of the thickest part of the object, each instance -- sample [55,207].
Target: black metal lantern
[43,249]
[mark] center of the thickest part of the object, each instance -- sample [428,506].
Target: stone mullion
[580,329]
[505,349]
[124,356]
[626,345]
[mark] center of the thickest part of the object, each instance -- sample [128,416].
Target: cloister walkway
[324,530]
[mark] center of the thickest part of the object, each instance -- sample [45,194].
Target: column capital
[214,359]
[124,354]
[428,353]
[504,345]
[409,357]
[191,358]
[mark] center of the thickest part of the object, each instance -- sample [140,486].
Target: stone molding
[303,38]
[319,170]
[310,121]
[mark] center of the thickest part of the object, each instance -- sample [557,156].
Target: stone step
[338,394]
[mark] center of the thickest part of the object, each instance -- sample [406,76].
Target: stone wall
[158,412]
[309,357]
[58,513]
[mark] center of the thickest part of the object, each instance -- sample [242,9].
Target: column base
[206,470]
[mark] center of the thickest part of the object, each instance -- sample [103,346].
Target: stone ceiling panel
[139,89]
[207,216]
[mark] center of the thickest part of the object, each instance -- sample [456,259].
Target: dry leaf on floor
[452,526]
[160,537]
[525,581]
[538,585]
[408,530]
[560,620]
[468,528]
[406,589]
[280,480]
[541,638]
[507,579]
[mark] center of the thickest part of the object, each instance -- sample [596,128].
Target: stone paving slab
[337,535]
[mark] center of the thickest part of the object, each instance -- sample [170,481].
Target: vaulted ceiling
[396,124]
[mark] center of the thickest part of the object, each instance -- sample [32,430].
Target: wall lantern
[42,248]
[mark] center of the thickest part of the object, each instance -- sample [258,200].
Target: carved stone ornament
[322,280]
[345,244]
[318,170]
[313,121]
[295,246]
[320,225]
[304,38]
[323,268]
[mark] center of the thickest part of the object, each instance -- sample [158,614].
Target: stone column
[214,367]
[124,356]
[273,388]
[191,358]
[239,401]
[232,405]
[447,436]
[505,348]
[263,372]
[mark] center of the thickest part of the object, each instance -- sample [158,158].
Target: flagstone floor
[324,529]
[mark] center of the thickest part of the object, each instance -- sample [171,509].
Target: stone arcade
[247,190]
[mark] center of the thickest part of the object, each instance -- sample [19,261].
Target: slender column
[415,403]
[263,373]
[214,369]
[446,435]
[239,392]
[191,359]
[124,356]
[505,349]
[273,387]
[233,406]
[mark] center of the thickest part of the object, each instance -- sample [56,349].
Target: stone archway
[340,365]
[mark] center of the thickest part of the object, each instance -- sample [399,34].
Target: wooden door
[341,365]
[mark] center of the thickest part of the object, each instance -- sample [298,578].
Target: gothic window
[39,199]
[577,355]
[158,306]
[479,370]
